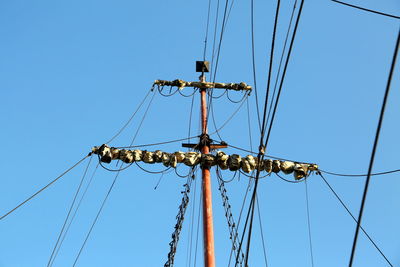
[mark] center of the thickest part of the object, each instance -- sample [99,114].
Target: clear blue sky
[72,72]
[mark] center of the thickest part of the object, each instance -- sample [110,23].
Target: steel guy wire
[69,212]
[354,219]
[43,188]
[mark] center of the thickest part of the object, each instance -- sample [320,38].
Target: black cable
[281,59]
[240,217]
[254,63]
[284,71]
[114,170]
[190,118]
[144,116]
[354,218]
[74,214]
[262,232]
[260,155]
[206,37]
[96,218]
[309,224]
[365,9]
[289,181]
[235,101]
[130,119]
[219,175]
[182,176]
[217,59]
[152,172]
[230,118]
[249,124]
[215,124]
[214,40]
[359,175]
[161,88]
[69,211]
[371,163]
[43,188]
[189,95]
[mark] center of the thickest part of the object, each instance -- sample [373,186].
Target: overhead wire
[375,145]
[289,181]
[309,223]
[131,117]
[206,37]
[359,175]
[284,71]
[45,187]
[260,155]
[254,63]
[143,118]
[152,172]
[366,9]
[262,232]
[96,218]
[281,59]
[69,211]
[238,224]
[74,214]
[354,219]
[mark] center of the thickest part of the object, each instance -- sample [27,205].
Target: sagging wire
[152,172]
[236,101]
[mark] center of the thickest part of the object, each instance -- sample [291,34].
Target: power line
[254,63]
[309,224]
[144,116]
[130,119]
[206,37]
[368,10]
[69,212]
[96,218]
[284,71]
[43,188]
[371,163]
[281,59]
[262,233]
[75,212]
[354,218]
[359,175]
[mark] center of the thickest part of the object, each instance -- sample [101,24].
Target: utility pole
[208,228]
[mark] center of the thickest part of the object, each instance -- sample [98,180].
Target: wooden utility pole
[208,229]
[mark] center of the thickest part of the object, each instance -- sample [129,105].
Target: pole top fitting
[202,66]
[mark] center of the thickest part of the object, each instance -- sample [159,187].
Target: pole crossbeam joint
[204,85]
